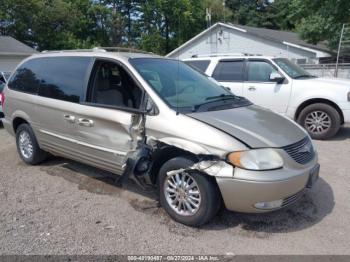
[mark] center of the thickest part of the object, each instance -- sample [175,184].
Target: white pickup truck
[320,105]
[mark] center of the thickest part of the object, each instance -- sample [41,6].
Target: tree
[165,24]
[160,26]
[44,24]
[248,12]
[320,20]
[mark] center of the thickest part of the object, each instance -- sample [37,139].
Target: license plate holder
[313,176]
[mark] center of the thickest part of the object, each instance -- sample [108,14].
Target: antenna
[178,71]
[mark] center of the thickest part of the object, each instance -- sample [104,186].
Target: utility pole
[224,9]
[208,16]
[339,47]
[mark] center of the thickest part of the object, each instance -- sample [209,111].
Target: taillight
[2,100]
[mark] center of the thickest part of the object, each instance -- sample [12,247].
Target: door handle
[252,88]
[69,118]
[85,122]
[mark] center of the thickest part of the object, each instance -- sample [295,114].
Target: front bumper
[241,195]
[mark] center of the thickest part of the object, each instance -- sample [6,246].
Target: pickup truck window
[291,69]
[200,65]
[260,71]
[227,71]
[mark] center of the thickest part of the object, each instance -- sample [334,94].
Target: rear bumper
[241,195]
[8,126]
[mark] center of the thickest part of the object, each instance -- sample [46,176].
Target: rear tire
[197,191]
[322,121]
[28,147]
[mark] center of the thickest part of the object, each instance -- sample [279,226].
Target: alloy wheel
[25,144]
[182,193]
[317,122]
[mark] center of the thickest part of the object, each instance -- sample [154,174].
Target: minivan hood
[255,126]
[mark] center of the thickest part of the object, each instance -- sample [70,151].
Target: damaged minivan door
[163,124]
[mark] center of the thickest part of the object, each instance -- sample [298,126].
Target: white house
[12,52]
[229,38]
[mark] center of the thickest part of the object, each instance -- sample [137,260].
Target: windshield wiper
[214,99]
[220,97]
[300,76]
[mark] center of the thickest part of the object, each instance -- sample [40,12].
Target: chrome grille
[302,152]
[291,199]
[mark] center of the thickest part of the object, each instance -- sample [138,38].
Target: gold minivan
[163,124]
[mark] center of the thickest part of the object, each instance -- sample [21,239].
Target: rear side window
[200,65]
[229,71]
[60,78]
[25,79]
[63,78]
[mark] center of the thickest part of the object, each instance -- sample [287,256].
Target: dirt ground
[63,207]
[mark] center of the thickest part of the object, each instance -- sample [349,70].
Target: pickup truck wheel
[27,146]
[322,121]
[189,197]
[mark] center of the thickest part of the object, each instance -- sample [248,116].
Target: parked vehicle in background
[4,76]
[164,125]
[320,105]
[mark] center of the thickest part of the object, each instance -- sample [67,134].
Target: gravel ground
[62,207]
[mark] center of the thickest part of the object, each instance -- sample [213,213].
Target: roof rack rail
[225,54]
[100,49]
[123,49]
[73,50]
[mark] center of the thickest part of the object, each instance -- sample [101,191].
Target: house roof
[11,46]
[284,37]
[281,36]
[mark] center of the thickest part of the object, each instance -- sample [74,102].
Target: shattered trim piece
[217,168]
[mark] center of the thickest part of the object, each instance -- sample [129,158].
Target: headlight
[256,159]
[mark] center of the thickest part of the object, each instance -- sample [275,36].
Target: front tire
[27,146]
[190,197]
[322,121]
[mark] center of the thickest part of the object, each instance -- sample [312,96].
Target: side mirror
[151,108]
[276,77]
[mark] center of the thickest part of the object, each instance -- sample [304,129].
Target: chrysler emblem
[305,149]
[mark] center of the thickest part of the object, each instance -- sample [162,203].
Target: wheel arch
[17,121]
[319,100]
[163,154]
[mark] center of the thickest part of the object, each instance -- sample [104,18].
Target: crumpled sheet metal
[217,168]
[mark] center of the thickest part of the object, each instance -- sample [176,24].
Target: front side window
[260,71]
[182,87]
[111,85]
[201,65]
[229,71]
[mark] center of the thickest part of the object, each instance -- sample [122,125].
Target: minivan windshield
[291,69]
[184,88]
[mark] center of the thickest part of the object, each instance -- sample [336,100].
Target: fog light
[269,205]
